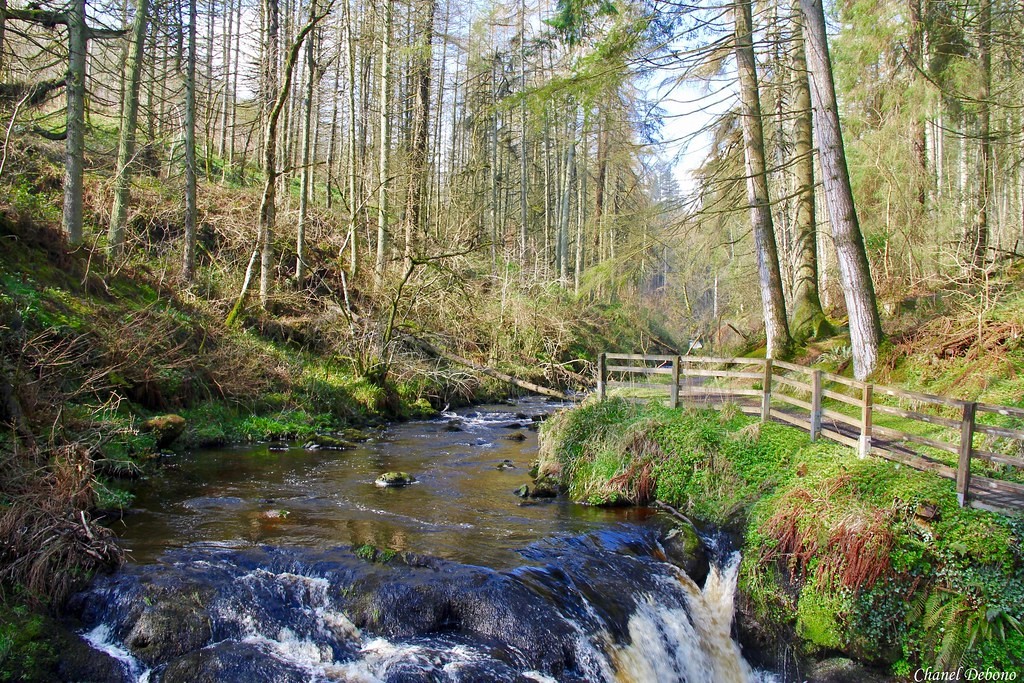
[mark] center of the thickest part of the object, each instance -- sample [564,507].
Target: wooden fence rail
[923,431]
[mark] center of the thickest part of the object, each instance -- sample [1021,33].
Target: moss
[833,545]
[26,648]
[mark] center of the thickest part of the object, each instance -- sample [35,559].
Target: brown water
[461,508]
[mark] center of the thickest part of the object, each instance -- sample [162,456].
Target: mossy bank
[841,556]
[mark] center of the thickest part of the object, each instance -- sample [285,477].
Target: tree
[772,299]
[809,320]
[129,123]
[189,263]
[854,270]
[384,167]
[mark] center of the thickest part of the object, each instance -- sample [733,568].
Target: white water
[666,644]
[100,639]
[673,645]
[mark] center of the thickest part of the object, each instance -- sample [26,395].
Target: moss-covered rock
[326,442]
[166,428]
[394,479]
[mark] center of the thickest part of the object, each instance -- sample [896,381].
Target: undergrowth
[848,555]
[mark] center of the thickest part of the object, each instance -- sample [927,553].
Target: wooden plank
[750,410]
[711,360]
[1002,486]
[921,417]
[896,435]
[843,398]
[999,458]
[917,462]
[1001,508]
[1000,431]
[785,398]
[1009,411]
[638,370]
[638,385]
[789,419]
[799,386]
[841,417]
[923,398]
[791,366]
[689,372]
[841,438]
[839,379]
[699,391]
[637,356]
[963,468]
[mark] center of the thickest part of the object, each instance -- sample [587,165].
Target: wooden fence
[975,444]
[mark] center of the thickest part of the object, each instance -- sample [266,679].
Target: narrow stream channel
[242,570]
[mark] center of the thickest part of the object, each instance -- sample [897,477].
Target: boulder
[842,670]
[684,548]
[516,436]
[523,491]
[546,487]
[505,464]
[165,428]
[454,426]
[326,442]
[391,479]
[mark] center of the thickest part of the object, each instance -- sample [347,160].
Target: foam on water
[100,638]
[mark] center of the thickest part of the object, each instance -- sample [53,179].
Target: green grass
[856,555]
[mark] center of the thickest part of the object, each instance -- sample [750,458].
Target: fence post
[602,374]
[674,391]
[815,404]
[766,390]
[867,402]
[963,470]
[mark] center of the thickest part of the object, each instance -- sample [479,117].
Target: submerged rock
[232,662]
[278,447]
[546,487]
[523,491]
[394,479]
[165,428]
[325,442]
[505,464]
[454,426]
[516,436]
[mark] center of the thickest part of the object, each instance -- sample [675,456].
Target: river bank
[842,556]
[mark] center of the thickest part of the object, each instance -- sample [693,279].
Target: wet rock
[523,491]
[169,626]
[278,447]
[274,514]
[841,670]
[227,662]
[539,418]
[534,469]
[516,436]
[165,428]
[684,548]
[326,442]
[522,416]
[533,426]
[81,662]
[513,425]
[454,426]
[546,487]
[505,464]
[389,479]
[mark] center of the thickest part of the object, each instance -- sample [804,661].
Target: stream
[241,568]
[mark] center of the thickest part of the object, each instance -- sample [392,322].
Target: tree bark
[978,231]
[419,172]
[189,266]
[854,270]
[129,121]
[772,298]
[74,155]
[268,203]
[385,142]
[809,321]
[307,170]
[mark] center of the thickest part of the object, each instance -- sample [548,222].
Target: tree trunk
[384,167]
[854,270]
[809,321]
[353,200]
[307,170]
[74,154]
[418,173]
[268,203]
[129,120]
[772,299]
[978,231]
[566,203]
[188,269]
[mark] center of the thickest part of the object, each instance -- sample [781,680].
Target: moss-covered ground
[841,554]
